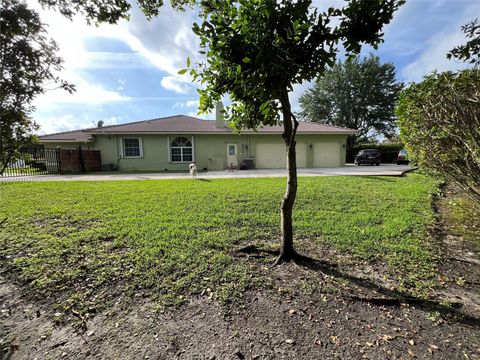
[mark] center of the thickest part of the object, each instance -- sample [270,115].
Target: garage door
[326,154]
[272,156]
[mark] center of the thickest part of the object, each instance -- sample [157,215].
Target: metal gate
[34,161]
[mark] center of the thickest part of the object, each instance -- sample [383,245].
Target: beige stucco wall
[210,151]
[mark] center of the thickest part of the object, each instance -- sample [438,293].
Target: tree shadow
[387,178]
[394,297]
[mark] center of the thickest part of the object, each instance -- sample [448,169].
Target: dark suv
[368,156]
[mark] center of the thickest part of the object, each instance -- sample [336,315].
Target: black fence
[34,161]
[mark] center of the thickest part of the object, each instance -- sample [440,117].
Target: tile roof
[184,124]
[68,136]
[189,124]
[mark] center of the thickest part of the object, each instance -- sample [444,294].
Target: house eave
[64,140]
[346,132]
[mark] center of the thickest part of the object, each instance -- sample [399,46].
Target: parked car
[402,157]
[368,156]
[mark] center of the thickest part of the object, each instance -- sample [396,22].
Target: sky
[129,71]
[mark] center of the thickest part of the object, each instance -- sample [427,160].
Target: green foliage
[470,51]
[109,11]
[257,50]
[462,219]
[85,242]
[382,147]
[357,94]
[439,122]
[28,61]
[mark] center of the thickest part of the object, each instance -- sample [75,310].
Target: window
[181,150]
[132,147]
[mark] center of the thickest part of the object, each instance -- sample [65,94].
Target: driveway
[348,170]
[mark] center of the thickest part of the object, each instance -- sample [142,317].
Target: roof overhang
[346,132]
[63,140]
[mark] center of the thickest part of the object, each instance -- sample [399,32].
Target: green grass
[82,242]
[462,218]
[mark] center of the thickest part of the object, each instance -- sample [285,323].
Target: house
[171,143]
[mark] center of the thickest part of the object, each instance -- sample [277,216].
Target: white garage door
[272,156]
[326,154]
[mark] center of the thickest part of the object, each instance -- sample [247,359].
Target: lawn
[83,243]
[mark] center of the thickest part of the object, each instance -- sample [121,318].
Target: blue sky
[128,72]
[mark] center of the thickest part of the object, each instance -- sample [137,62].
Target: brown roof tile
[69,136]
[189,124]
[183,124]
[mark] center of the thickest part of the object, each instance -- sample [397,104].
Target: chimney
[219,116]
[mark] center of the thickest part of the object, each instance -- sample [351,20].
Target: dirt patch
[459,268]
[286,323]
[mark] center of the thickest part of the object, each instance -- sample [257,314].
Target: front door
[232,155]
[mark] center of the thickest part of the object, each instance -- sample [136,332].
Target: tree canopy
[355,93]
[28,60]
[110,11]
[470,51]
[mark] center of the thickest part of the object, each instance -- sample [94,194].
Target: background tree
[440,124]
[358,94]
[27,63]
[469,52]
[256,51]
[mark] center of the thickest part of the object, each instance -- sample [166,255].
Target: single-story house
[171,143]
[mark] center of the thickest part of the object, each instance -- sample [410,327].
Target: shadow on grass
[387,178]
[206,180]
[393,297]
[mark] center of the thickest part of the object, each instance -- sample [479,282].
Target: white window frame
[170,139]
[228,149]
[140,144]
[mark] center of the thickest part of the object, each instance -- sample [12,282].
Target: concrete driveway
[348,170]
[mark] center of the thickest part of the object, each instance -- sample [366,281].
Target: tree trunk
[290,124]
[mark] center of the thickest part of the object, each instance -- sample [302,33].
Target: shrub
[439,121]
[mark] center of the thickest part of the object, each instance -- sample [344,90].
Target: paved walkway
[349,170]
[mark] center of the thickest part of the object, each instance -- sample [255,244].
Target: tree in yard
[440,125]
[27,63]
[256,50]
[358,94]
[469,52]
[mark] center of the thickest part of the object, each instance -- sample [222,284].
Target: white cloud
[433,57]
[69,122]
[86,93]
[298,90]
[174,83]
[58,124]
[187,104]
[424,32]
[165,42]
